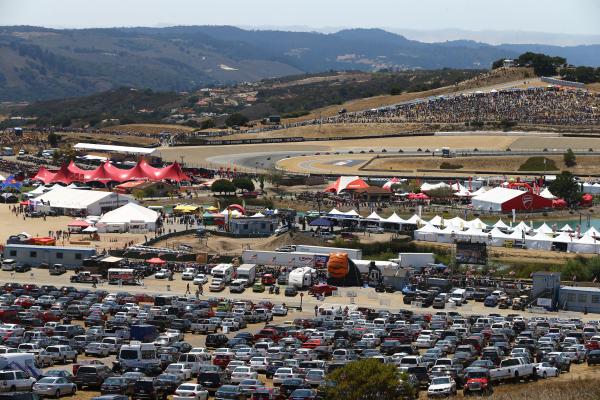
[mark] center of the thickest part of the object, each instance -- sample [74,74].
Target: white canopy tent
[436,221]
[566,228]
[131,216]
[500,225]
[592,232]
[428,233]
[547,194]
[375,217]
[416,220]
[394,219]
[257,215]
[476,223]
[540,241]
[586,244]
[456,222]
[544,228]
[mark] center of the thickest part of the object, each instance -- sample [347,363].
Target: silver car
[53,386]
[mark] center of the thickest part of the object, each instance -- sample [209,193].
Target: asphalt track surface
[257,157]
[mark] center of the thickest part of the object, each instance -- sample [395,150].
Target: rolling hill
[40,63]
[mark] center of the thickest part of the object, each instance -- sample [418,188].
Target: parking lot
[432,345]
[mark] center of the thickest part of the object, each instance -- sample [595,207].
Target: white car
[441,386]
[179,369]
[314,377]
[280,311]
[174,334]
[190,391]
[97,350]
[163,274]
[188,274]
[425,341]
[259,364]
[282,374]
[216,285]
[200,279]
[241,373]
[546,370]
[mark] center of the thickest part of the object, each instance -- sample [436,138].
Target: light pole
[301,296]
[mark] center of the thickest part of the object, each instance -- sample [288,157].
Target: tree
[223,186]
[569,158]
[498,63]
[243,184]
[261,182]
[543,65]
[441,193]
[275,177]
[366,379]
[53,139]
[236,119]
[566,187]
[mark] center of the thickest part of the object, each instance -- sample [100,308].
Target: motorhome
[224,272]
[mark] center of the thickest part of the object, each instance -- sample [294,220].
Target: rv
[224,272]
[247,272]
[19,361]
[301,277]
[138,355]
[354,254]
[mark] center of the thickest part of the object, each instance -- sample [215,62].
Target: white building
[75,201]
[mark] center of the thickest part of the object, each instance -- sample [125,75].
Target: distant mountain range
[40,63]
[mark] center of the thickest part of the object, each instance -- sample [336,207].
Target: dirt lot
[151,128]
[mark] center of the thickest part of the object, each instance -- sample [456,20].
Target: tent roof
[544,228]
[429,186]
[129,212]
[346,183]
[374,216]
[592,232]
[477,223]
[567,228]
[352,213]
[62,197]
[436,221]
[395,219]
[498,195]
[547,194]
[79,222]
[321,222]
[257,215]
[500,225]
[428,228]
[415,219]
[335,211]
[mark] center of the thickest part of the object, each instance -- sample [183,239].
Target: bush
[447,165]
[538,164]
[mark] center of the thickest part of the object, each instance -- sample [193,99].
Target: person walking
[316,310]
[187,290]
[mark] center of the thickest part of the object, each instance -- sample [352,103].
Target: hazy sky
[564,16]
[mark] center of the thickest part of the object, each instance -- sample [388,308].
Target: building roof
[498,195]
[115,149]
[42,247]
[62,197]
[587,289]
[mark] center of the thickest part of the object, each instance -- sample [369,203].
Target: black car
[182,325]
[149,389]
[593,357]
[291,384]
[92,376]
[291,291]
[214,340]
[272,367]
[229,392]
[57,269]
[212,380]
[23,268]
[117,385]
[421,373]
[170,381]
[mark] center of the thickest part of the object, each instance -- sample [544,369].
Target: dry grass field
[121,140]
[585,164]
[151,128]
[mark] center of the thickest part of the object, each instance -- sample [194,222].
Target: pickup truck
[84,277]
[513,369]
[62,353]
[203,326]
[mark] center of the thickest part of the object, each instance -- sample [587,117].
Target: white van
[138,355]
[458,296]
[8,264]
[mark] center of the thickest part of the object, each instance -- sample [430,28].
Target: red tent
[586,200]
[174,173]
[346,183]
[156,261]
[151,172]
[116,174]
[418,196]
[100,174]
[559,203]
[63,176]
[136,173]
[78,223]
[81,174]
[43,175]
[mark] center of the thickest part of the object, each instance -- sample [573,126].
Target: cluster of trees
[225,186]
[581,74]
[566,187]
[543,65]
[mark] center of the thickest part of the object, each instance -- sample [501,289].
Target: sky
[580,17]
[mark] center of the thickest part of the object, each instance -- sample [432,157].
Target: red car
[312,343]
[222,360]
[24,301]
[8,313]
[322,289]
[30,287]
[268,279]
[268,333]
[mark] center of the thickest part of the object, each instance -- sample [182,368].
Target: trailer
[224,272]
[301,278]
[354,254]
[247,272]
[294,259]
[415,260]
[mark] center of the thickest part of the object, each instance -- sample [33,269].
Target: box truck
[247,272]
